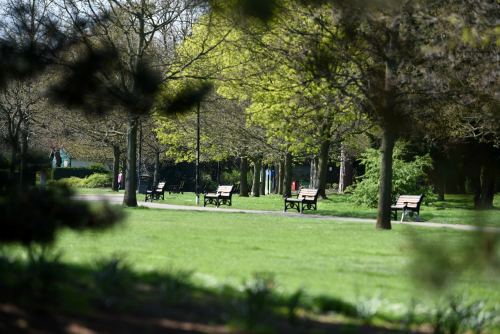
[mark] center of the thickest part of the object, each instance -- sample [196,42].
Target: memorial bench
[409,204]
[222,195]
[155,192]
[307,197]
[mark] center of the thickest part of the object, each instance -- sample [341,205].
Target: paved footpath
[118,199]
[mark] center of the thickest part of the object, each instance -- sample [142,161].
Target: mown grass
[331,258]
[456,209]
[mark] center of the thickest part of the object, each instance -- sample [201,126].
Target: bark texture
[256,177]
[287,179]
[130,197]
[281,177]
[322,168]
[385,200]
[116,168]
[156,177]
[346,171]
[243,177]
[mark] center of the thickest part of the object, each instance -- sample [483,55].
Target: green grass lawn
[456,209]
[336,259]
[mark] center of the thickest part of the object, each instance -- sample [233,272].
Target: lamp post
[198,158]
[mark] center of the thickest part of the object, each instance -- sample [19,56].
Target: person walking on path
[120,180]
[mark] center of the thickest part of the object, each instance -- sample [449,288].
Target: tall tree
[119,64]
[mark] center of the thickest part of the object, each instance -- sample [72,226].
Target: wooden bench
[305,197]
[155,192]
[222,195]
[176,188]
[409,204]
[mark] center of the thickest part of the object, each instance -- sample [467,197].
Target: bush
[67,172]
[98,168]
[72,182]
[405,177]
[98,181]
[92,181]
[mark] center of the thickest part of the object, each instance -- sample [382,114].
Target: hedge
[67,172]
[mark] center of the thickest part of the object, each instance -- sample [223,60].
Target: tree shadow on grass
[156,302]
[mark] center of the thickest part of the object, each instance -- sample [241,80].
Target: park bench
[176,188]
[222,195]
[409,204]
[155,192]
[307,197]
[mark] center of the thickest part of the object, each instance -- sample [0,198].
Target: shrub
[92,181]
[73,182]
[405,177]
[66,172]
[98,168]
[98,181]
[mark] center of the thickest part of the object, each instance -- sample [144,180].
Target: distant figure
[120,180]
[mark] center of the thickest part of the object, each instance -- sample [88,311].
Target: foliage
[98,181]
[113,282]
[33,216]
[459,316]
[406,177]
[92,181]
[65,172]
[98,168]
[233,177]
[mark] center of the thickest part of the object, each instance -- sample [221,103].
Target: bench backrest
[413,201]
[225,190]
[161,185]
[308,194]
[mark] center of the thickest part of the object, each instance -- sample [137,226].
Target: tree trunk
[24,155]
[263,181]
[116,168]
[475,176]
[243,177]
[276,178]
[385,200]
[346,172]
[287,179]
[13,158]
[156,175]
[322,168]
[130,197]
[124,172]
[281,177]
[256,177]
[488,186]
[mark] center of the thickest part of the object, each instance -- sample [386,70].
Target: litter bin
[144,183]
[295,185]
